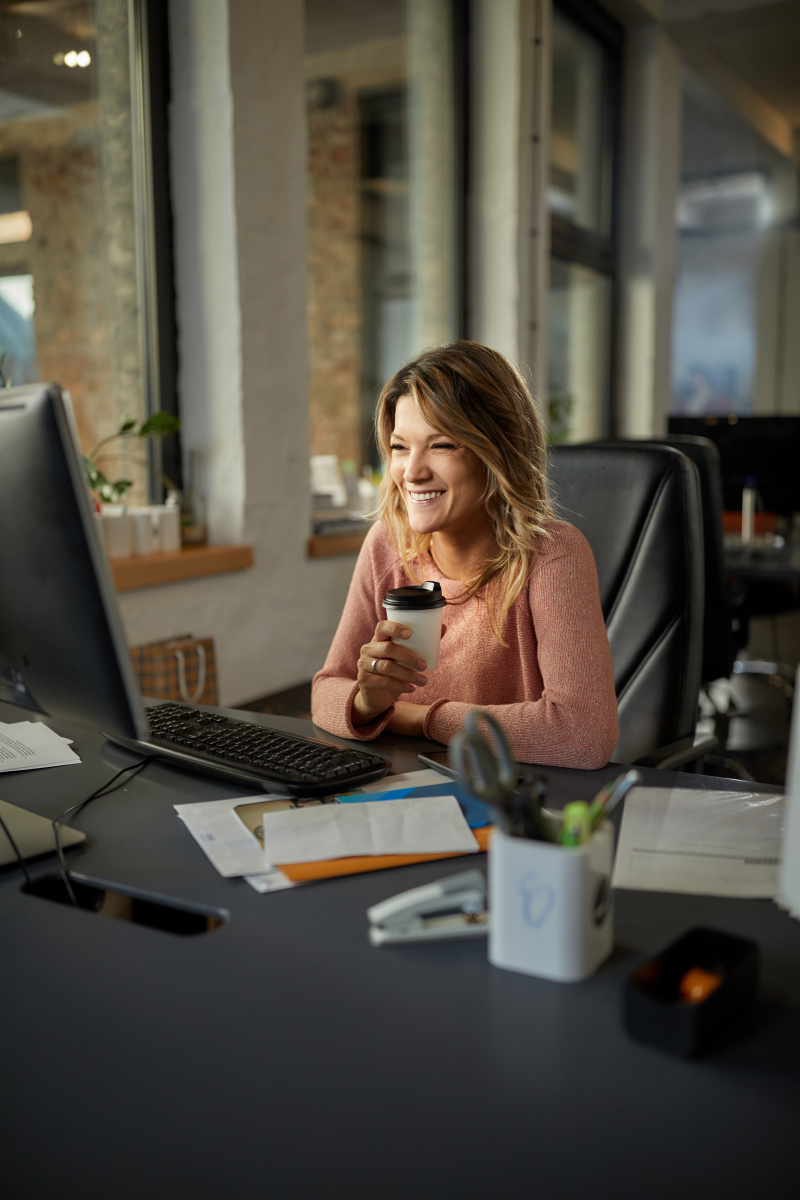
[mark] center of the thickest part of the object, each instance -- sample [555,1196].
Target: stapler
[454,907]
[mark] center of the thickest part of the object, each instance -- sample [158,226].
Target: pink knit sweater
[551,687]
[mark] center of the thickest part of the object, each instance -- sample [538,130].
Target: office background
[250,213]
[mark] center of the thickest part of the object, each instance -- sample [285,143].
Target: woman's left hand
[408,718]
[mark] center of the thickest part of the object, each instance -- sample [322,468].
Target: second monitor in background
[766,449]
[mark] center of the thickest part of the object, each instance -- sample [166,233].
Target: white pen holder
[551,905]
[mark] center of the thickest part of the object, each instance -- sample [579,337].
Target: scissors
[495,779]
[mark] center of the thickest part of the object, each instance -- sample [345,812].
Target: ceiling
[759,41]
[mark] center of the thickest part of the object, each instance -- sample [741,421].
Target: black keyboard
[297,765]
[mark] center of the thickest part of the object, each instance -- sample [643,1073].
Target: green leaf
[96,477]
[114,493]
[159,424]
[127,425]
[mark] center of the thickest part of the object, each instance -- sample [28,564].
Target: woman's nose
[417,466]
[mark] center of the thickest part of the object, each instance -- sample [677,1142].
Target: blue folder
[477,813]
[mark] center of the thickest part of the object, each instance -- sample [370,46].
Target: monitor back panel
[59,624]
[766,448]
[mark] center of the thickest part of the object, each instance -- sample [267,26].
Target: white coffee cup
[420,609]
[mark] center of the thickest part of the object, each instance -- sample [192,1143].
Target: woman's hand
[397,670]
[408,719]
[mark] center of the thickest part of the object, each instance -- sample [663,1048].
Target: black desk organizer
[655,1012]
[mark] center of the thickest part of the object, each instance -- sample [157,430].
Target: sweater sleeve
[574,722]
[334,688]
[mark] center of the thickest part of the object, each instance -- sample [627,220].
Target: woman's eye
[396,446]
[444,446]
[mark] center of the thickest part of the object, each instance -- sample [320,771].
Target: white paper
[230,846]
[411,825]
[272,880]
[713,843]
[31,745]
[788,894]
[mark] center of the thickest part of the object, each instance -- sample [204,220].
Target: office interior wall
[206,283]
[495,174]
[650,155]
[777,375]
[432,156]
[238,132]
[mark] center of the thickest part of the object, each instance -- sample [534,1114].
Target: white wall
[650,175]
[495,170]
[238,159]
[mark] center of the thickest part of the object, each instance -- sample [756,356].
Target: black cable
[15,848]
[69,813]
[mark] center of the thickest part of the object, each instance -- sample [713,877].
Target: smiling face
[441,481]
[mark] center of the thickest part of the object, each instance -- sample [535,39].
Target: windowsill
[176,566]
[346,543]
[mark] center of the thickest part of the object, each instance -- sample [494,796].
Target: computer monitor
[766,449]
[62,647]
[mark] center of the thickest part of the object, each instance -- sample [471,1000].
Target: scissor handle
[507,771]
[476,766]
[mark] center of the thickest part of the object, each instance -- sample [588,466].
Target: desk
[282,1056]
[763,563]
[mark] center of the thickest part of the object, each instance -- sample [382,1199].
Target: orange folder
[305,872]
[250,815]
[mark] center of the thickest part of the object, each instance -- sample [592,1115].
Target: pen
[610,795]
[577,826]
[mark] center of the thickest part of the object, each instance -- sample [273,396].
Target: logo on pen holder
[538,900]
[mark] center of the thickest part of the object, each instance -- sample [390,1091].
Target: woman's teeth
[421,497]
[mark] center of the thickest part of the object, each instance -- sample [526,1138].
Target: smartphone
[440,761]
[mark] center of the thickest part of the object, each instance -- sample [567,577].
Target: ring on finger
[373,667]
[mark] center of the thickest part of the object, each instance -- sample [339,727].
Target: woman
[464,502]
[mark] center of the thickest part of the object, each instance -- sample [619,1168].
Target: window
[736,306]
[584,103]
[384,203]
[79,298]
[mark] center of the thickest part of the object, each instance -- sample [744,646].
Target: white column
[495,174]
[431,133]
[650,176]
[206,269]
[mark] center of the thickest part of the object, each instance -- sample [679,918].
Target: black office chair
[639,508]
[718,639]
[724,622]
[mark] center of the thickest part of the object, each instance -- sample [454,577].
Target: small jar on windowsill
[193,508]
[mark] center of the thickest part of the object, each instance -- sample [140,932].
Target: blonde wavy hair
[474,395]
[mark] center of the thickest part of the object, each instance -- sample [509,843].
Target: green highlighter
[577,826]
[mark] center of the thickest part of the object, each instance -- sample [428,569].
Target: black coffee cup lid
[425,595]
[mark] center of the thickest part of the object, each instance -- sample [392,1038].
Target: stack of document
[705,843]
[29,745]
[409,825]
[246,837]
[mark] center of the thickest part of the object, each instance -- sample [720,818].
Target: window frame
[150,103]
[569,242]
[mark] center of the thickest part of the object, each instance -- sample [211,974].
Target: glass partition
[738,275]
[583,110]
[581,133]
[71,271]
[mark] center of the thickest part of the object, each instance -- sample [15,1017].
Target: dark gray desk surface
[282,1056]
[763,565]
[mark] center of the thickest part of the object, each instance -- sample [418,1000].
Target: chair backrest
[718,647]
[638,505]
